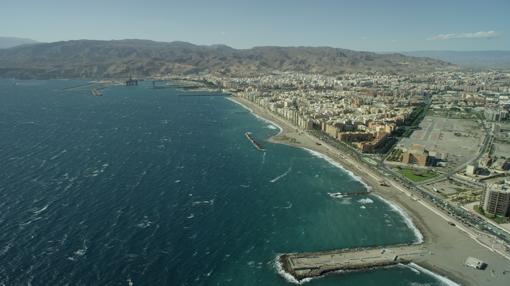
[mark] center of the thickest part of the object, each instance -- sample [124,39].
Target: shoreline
[449,245]
[256,115]
[395,207]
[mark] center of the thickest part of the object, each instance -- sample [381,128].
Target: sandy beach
[449,245]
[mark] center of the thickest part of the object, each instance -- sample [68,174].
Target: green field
[416,175]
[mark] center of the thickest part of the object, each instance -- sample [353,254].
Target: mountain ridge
[9,42]
[499,59]
[120,58]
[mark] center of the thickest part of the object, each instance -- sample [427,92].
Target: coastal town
[444,136]
[427,128]
[251,143]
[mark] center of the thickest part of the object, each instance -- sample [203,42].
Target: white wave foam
[209,202]
[6,248]
[256,115]
[444,280]
[338,165]
[36,212]
[365,201]
[407,219]
[415,270]
[31,220]
[288,206]
[336,195]
[58,155]
[271,126]
[82,251]
[282,175]
[287,276]
[242,105]
[145,223]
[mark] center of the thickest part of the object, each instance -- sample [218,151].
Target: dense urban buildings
[446,131]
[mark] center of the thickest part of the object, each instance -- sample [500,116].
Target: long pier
[313,264]
[256,144]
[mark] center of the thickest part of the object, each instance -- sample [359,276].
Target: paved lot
[459,138]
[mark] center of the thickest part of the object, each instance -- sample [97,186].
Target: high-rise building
[496,200]
[495,114]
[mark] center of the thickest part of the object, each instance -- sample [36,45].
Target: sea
[145,186]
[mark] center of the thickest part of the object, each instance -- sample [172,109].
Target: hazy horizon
[218,44]
[367,25]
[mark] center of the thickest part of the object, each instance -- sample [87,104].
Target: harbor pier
[256,144]
[313,264]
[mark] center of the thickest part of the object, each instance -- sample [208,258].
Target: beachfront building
[496,199]
[364,110]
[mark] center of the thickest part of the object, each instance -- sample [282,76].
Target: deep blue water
[147,187]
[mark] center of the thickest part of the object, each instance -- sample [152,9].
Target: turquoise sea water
[148,187]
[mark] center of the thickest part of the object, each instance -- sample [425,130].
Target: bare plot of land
[459,138]
[501,149]
[502,142]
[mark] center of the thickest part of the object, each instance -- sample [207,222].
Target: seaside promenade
[447,245]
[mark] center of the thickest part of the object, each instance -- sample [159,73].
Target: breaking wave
[444,280]
[338,165]
[287,276]
[407,219]
[256,115]
[281,176]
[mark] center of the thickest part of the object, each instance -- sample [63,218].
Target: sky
[369,25]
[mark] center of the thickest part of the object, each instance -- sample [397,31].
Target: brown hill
[120,58]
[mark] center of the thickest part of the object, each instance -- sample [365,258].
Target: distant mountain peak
[469,59]
[10,42]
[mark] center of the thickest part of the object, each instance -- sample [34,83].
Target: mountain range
[93,59]
[9,42]
[469,59]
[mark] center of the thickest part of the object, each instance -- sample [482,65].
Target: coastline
[256,115]
[449,245]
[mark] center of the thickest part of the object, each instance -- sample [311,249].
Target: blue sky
[361,25]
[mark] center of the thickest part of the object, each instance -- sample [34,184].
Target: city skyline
[370,25]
